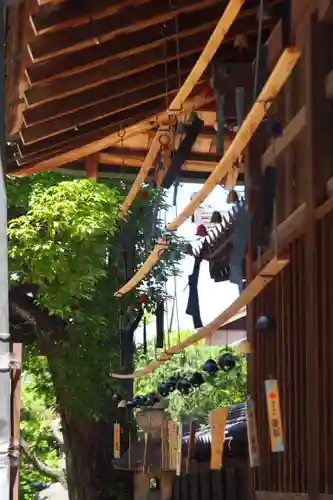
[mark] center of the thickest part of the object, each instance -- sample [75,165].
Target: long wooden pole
[265,276]
[177,105]
[275,82]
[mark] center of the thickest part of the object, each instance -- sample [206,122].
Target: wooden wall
[299,354]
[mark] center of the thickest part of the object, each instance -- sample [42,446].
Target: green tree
[223,390]
[69,252]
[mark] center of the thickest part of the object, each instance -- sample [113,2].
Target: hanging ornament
[274,128]
[232,197]
[139,401]
[274,416]
[241,42]
[152,398]
[183,386]
[226,362]
[197,379]
[216,217]
[265,323]
[244,347]
[210,366]
[117,398]
[122,403]
[252,434]
[116,440]
[201,231]
[143,299]
[163,389]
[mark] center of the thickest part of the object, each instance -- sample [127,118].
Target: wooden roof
[87,77]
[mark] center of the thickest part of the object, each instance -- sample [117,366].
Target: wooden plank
[47,19]
[108,28]
[214,42]
[120,87]
[273,85]
[254,288]
[92,166]
[127,45]
[105,141]
[217,420]
[96,111]
[294,128]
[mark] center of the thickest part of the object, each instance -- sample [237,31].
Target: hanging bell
[226,362]
[183,386]
[265,323]
[117,398]
[152,398]
[241,42]
[244,347]
[172,383]
[139,401]
[197,379]
[232,197]
[201,231]
[122,403]
[274,128]
[163,390]
[210,366]
[216,217]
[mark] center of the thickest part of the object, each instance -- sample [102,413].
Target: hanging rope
[272,87]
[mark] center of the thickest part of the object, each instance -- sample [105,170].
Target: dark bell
[183,386]
[152,398]
[275,128]
[197,379]
[265,323]
[163,390]
[216,217]
[116,398]
[139,401]
[210,366]
[226,362]
[232,197]
[171,383]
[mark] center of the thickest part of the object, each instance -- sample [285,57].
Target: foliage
[223,390]
[36,419]
[69,241]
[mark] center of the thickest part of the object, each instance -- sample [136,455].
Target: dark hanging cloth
[269,194]
[183,152]
[193,308]
[239,240]
[127,337]
[159,325]
[145,335]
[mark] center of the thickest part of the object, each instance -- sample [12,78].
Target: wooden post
[92,166]
[316,174]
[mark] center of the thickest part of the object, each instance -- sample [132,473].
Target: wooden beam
[97,111]
[47,20]
[129,45]
[102,30]
[294,128]
[272,87]
[214,42]
[325,10]
[92,166]
[104,140]
[125,67]
[60,107]
[253,289]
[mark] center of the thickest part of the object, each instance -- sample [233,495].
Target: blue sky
[213,297]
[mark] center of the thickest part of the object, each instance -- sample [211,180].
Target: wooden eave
[78,72]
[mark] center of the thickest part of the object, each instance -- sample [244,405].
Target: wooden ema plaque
[217,421]
[274,416]
[173,444]
[252,434]
[116,440]
[179,450]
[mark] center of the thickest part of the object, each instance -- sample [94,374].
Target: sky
[213,297]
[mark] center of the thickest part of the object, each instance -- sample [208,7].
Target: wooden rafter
[253,289]
[176,106]
[272,87]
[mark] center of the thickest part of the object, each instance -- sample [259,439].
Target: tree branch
[55,474]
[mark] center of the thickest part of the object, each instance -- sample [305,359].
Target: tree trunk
[90,474]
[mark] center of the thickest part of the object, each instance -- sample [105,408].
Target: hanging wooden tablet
[173,444]
[252,434]
[165,445]
[116,440]
[274,416]
[179,450]
[217,420]
[190,447]
[145,463]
